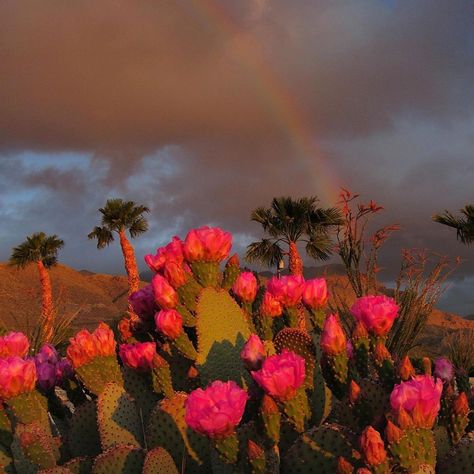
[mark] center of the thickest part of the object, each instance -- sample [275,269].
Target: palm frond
[265,252]
[37,247]
[319,245]
[103,235]
[139,226]
[464,225]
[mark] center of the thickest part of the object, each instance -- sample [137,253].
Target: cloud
[118,77]
[205,110]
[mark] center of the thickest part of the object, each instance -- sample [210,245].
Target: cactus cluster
[223,374]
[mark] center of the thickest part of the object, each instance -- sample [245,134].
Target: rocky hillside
[91,296]
[96,297]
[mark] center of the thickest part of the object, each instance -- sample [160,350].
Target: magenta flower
[315,294]
[444,369]
[176,273]
[253,353]
[46,375]
[47,354]
[169,322]
[207,244]
[377,313]
[143,302]
[165,295]
[287,289]
[419,398]
[270,306]
[14,344]
[138,356]
[281,375]
[171,252]
[245,287]
[217,410]
[17,376]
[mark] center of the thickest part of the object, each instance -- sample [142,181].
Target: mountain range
[93,297]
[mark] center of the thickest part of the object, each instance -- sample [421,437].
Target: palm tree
[289,221]
[463,225]
[43,250]
[117,217]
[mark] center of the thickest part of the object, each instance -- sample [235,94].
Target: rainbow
[279,99]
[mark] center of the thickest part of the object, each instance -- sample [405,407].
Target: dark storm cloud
[117,75]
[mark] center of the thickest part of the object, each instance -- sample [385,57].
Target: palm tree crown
[463,225]
[37,247]
[118,215]
[289,221]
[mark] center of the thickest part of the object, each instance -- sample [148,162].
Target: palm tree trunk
[47,302]
[295,263]
[131,269]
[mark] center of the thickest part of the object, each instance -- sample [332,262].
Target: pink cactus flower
[17,376]
[207,244]
[253,353]
[176,273]
[444,369]
[287,289]
[333,338]
[85,346]
[315,293]
[14,344]
[165,294]
[245,287]
[138,356]
[281,375]
[270,306]
[171,252]
[143,302]
[64,369]
[169,322]
[377,313]
[46,375]
[217,410]
[47,353]
[419,398]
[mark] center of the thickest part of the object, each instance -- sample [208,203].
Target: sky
[206,109]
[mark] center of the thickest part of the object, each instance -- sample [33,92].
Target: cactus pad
[97,373]
[461,459]
[167,428]
[317,451]
[222,332]
[79,465]
[138,386]
[119,459]
[36,445]
[118,418]
[159,461]
[83,435]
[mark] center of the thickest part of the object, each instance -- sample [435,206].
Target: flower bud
[461,405]
[406,369]
[245,287]
[344,466]
[333,339]
[373,447]
[169,322]
[354,392]
[253,353]
[393,433]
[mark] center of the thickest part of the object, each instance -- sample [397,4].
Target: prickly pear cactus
[222,331]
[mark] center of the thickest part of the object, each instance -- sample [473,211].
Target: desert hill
[99,297]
